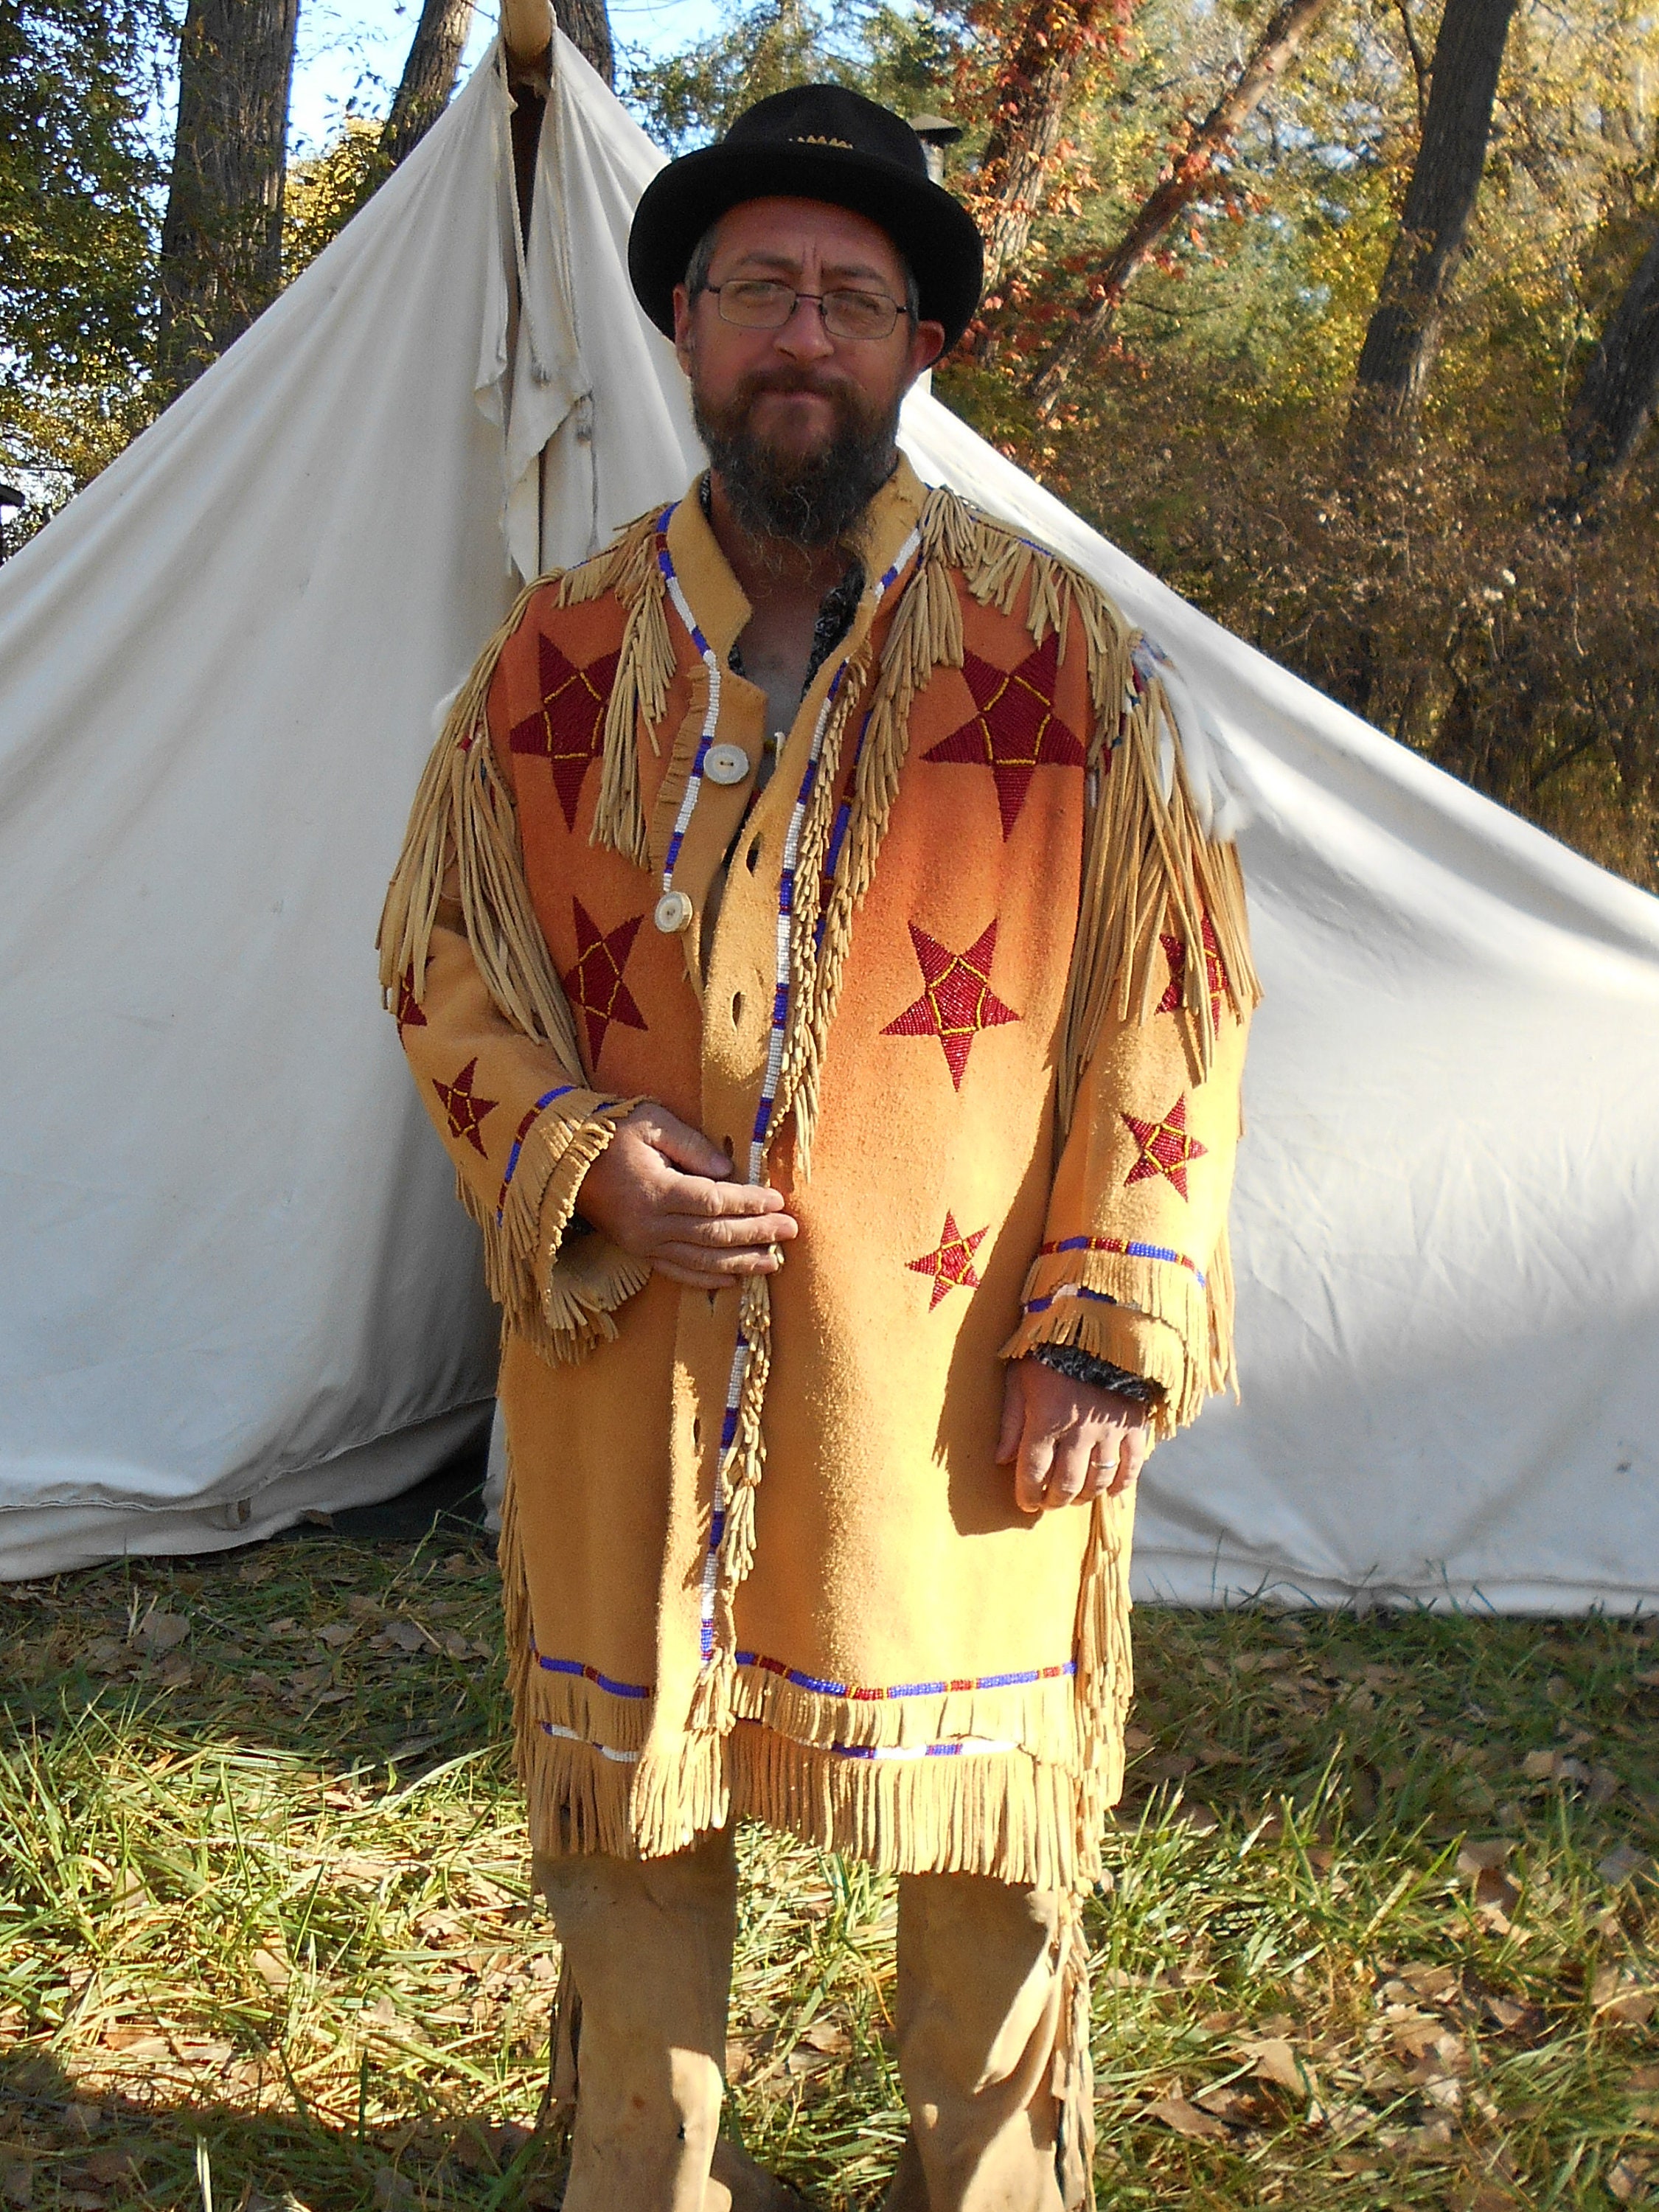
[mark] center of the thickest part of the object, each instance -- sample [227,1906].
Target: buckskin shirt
[975,1001]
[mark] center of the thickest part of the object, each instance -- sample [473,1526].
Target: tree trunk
[1619,394]
[588,26]
[1055,38]
[1194,168]
[222,237]
[429,77]
[1406,323]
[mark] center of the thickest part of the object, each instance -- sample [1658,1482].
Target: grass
[1380,1933]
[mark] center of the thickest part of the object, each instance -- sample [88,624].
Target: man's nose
[804,337]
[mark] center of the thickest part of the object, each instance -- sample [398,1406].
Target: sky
[352,50]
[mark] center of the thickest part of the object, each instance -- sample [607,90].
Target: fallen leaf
[1277,2062]
[1494,1890]
[1643,2077]
[1539,1766]
[16,2179]
[1429,1982]
[738,2058]
[1136,1738]
[403,1636]
[1473,1857]
[828,2036]
[1635,2009]
[1621,1863]
[105,2166]
[1230,2103]
[390,2188]
[1174,1766]
[336,1633]
[1488,2197]
[160,1631]
[1198,1817]
[1186,2119]
[272,1969]
[1625,2181]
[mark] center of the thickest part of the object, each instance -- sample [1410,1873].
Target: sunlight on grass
[1380,1932]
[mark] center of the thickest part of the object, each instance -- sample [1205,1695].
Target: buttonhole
[731,1152]
[752,857]
[696,1432]
[736,1008]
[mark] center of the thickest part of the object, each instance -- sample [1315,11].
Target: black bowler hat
[819,141]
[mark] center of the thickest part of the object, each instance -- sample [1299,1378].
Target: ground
[1381,1932]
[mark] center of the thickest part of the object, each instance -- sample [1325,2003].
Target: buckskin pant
[647,1945]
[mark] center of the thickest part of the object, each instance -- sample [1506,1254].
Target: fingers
[684,1147]
[1069,1471]
[713,1270]
[1036,1452]
[1013,1414]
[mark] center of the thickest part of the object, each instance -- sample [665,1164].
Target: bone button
[726,764]
[673,912]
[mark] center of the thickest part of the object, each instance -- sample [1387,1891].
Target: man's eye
[861,306]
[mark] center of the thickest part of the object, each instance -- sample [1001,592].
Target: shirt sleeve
[488,1033]
[1134,1269]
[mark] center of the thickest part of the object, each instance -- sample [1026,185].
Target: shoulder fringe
[464,817]
[1148,870]
[639,696]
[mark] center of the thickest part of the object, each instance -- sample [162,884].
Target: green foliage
[79,191]
[903,57]
[1381,1932]
[323,192]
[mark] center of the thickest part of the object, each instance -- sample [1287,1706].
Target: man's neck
[775,575]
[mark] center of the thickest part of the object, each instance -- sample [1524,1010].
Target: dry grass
[265,1937]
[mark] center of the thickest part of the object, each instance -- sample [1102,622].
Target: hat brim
[935,233]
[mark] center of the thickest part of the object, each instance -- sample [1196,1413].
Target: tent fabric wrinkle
[240,1288]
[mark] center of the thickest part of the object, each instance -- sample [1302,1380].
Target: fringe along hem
[1002,1814]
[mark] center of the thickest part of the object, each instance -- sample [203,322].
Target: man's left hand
[1067,1442]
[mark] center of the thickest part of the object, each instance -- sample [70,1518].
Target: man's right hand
[662,1192]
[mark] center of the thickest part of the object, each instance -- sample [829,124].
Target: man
[806,947]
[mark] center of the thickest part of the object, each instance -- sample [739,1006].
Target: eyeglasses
[754,303]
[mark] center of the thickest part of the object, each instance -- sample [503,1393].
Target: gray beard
[798,504]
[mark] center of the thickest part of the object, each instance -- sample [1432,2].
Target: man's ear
[683,327]
[926,344]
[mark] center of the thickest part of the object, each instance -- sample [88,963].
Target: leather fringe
[639,696]
[560,1299]
[1148,871]
[1002,1814]
[1191,1357]
[465,821]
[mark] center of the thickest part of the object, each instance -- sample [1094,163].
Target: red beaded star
[1015,730]
[1165,1147]
[1215,972]
[567,728]
[951,1263]
[595,986]
[957,1001]
[466,1114]
[411,1015]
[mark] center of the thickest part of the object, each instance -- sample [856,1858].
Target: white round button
[726,764]
[673,912]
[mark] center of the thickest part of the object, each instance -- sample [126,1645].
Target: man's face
[797,416]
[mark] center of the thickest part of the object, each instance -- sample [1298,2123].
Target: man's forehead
[781,232]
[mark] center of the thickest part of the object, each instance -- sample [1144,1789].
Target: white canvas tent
[237,1286]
